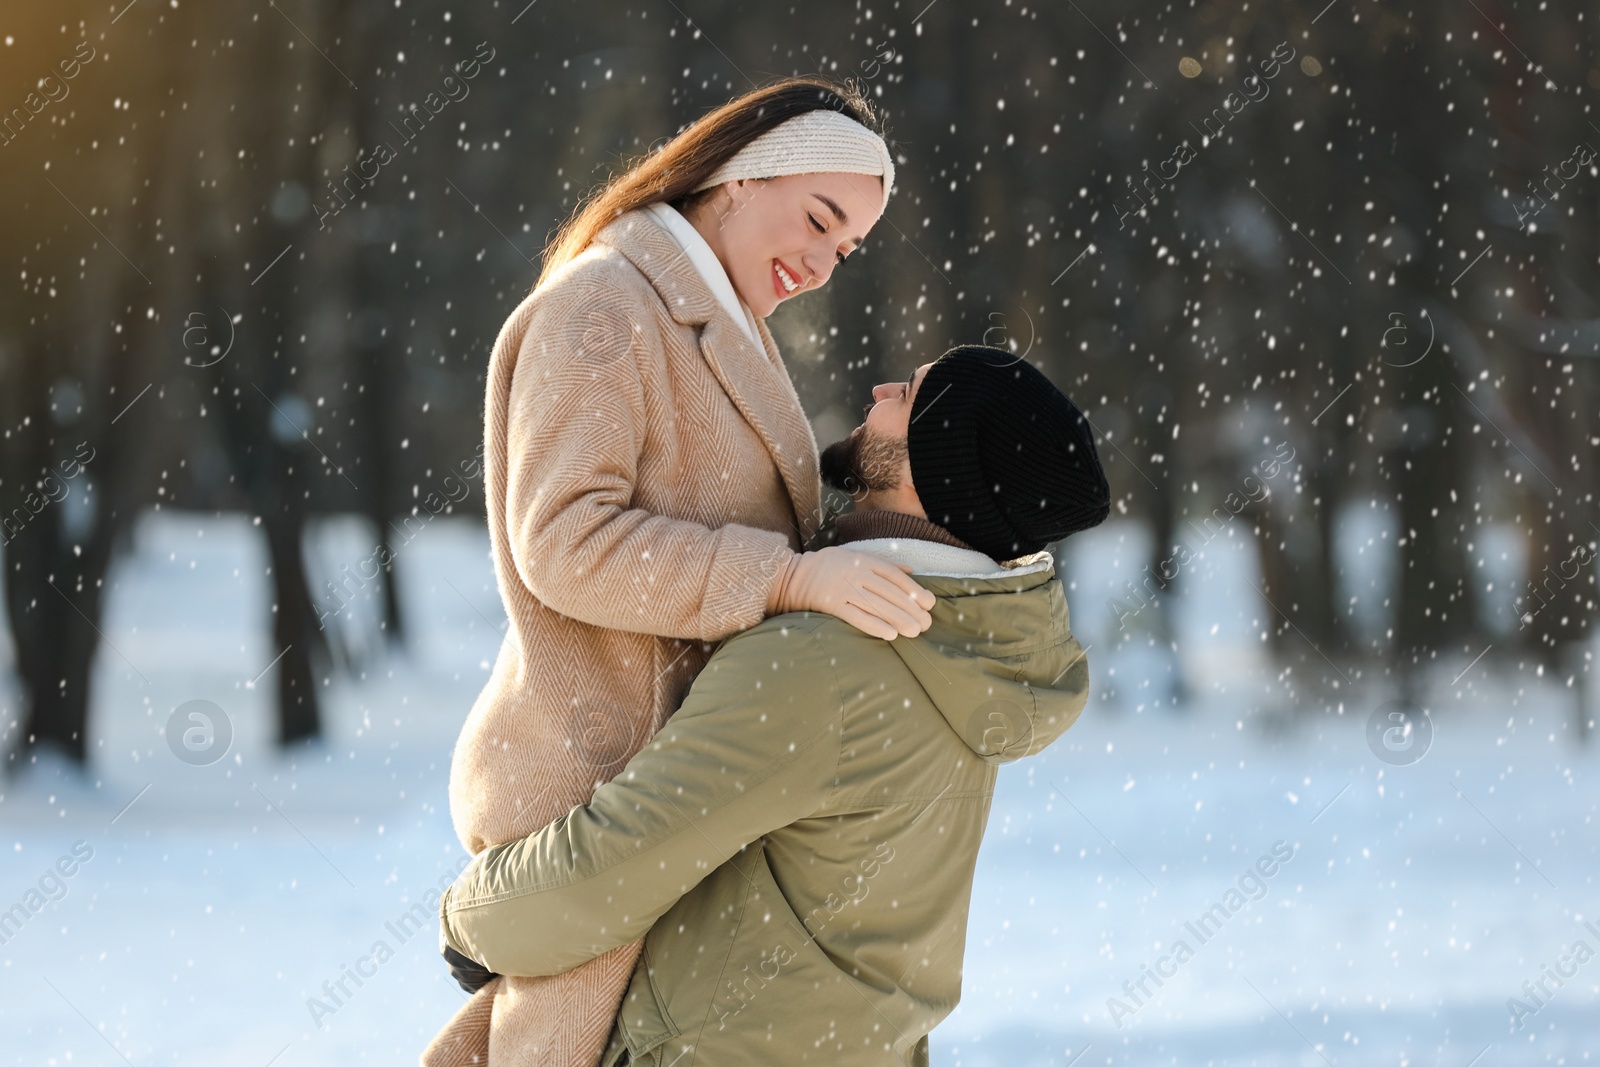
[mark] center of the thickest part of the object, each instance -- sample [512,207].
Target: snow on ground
[217,900]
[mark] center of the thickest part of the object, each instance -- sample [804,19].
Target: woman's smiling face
[779,237]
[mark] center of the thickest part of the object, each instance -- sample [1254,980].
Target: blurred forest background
[1369,233]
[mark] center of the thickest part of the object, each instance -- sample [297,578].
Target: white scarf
[710,268]
[939,560]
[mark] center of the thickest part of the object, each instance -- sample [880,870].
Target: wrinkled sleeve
[575,429]
[751,750]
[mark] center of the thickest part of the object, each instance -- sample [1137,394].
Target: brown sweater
[877,522]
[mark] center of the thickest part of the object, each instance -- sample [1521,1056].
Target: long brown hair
[671,173]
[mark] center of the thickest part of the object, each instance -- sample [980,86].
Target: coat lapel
[756,380]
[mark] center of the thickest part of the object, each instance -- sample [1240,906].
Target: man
[797,844]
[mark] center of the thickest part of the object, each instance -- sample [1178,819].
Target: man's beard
[864,462]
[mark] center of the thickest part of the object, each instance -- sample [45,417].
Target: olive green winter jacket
[799,839]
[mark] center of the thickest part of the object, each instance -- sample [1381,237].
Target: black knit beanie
[1000,457]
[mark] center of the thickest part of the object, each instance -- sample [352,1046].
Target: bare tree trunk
[271,424]
[78,383]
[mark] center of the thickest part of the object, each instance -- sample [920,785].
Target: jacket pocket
[643,1020]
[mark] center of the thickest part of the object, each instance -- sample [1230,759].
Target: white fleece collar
[709,266]
[946,561]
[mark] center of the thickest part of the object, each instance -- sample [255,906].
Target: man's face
[874,459]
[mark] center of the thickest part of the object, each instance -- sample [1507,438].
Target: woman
[651,482]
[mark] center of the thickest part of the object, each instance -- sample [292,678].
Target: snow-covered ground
[215,901]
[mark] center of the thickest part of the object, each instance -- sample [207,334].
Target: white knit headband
[811,142]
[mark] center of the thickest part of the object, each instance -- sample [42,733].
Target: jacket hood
[999,661]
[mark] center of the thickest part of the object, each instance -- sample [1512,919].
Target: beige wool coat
[647,470]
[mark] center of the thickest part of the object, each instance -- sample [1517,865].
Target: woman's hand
[873,594]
